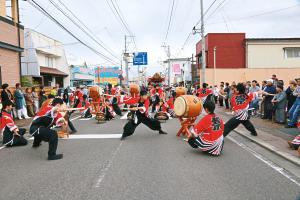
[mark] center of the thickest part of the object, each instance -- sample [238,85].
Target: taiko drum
[180,91]
[134,90]
[187,106]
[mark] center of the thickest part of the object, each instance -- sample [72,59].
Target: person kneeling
[12,135]
[207,135]
[41,125]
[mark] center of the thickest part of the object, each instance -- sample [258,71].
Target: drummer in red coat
[204,92]
[208,133]
[140,115]
[12,135]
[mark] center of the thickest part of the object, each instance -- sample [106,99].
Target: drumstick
[110,95]
[71,109]
[134,108]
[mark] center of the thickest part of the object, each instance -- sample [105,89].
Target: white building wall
[38,47]
[270,54]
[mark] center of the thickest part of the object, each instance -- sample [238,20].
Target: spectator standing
[29,101]
[269,92]
[221,96]
[279,102]
[227,91]
[275,80]
[5,93]
[216,93]
[66,96]
[289,93]
[255,102]
[35,97]
[295,110]
[42,95]
[20,102]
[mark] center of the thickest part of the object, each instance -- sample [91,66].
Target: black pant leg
[193,143]
[22,131]
[71,125]
[153,124]
[19,141]
[129,128]
[48,135]
[230,125]
[227,103]
[249,126]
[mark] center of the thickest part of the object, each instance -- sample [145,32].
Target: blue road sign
[140,58]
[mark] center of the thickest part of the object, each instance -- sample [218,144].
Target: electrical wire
[80,27]
[103,45]
[44,12]
[170,20]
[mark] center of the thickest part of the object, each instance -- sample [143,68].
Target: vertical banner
[176,69]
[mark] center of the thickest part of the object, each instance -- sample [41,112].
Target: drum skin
[134,90]
[180,91]
[187,106]
[94,93]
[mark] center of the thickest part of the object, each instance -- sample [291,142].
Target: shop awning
[52,71]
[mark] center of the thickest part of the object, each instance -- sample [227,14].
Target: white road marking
[264,160]
[91,136]
[86,119]
[31,138]
[107,165]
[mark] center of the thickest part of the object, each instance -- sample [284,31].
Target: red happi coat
[240,105]
[7,121]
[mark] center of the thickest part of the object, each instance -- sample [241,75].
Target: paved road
[144,166]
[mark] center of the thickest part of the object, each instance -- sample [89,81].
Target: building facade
[11,42]
[233,57]
[82,75]
[44,61]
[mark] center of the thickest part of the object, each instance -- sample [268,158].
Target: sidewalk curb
[290,158]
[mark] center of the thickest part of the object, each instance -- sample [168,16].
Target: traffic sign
[140,58]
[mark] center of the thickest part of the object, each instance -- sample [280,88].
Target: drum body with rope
[100,117]
[180,91]
[95,93]
[134,90]
[187,106]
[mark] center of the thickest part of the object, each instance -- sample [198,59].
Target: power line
[117,13]
[259,14]
[44,12]
[80,21]
[170,20]
[80,27]
[190,34]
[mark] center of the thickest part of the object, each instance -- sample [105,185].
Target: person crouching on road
[12,135]
[41,125]
[207,135]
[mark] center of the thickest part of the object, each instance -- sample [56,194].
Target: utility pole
[126,61]
[167,49]
[215,58]
[203,60]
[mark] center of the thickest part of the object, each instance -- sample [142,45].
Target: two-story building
[11,42]
[233,57]
[44,61]
[82,75]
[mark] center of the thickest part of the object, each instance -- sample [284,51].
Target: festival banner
[105,75]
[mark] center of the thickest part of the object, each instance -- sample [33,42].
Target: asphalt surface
[144,166]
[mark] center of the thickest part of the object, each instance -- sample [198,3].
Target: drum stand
[186,123]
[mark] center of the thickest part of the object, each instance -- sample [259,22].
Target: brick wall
[10,67]
[8,33]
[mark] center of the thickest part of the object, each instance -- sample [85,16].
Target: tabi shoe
[36,145]
[55,157]
[162,132]
[123,137]
[254,134]
[288,126]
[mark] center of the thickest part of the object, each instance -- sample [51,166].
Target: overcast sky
[148,22]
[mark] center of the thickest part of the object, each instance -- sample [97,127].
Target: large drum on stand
[180,91]
[134,90]
[187,106]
